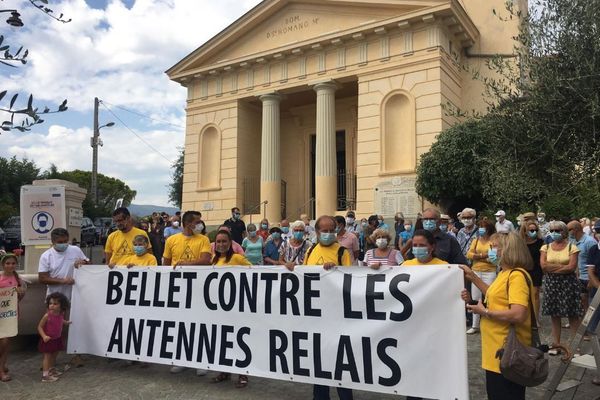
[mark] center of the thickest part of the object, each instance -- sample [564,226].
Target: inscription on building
[398,194]
[294,23]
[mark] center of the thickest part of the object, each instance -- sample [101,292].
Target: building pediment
[276,25]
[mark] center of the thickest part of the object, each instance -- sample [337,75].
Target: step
[584,361]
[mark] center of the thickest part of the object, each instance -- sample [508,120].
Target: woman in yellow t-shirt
[561,286]
[223,257]
[482,265]
[507,301]
[423,250]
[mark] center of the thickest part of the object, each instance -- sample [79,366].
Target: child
[142,256]
[8,279]
[50,330]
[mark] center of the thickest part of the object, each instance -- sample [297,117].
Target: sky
[116,50]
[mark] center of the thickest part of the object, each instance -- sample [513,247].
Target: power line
[143,115]
[136,135]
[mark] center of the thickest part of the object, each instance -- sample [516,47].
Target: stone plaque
[397,194]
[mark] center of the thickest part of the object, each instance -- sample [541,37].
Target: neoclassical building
[306,106]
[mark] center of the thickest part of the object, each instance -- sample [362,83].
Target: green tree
[176,187]
[15,173]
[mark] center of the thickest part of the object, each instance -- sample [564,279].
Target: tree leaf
[12,101]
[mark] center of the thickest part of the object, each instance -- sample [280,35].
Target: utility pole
[94,144]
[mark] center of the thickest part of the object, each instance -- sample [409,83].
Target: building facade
[304,106]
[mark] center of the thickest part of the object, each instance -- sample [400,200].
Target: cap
[444,216]
[528,216]
[500,213]
[350,214]
[275,229]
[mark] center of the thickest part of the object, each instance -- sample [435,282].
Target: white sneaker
[472,331]
[201,372]
[176,369]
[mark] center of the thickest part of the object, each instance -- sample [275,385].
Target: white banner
[9,319]
[398,330]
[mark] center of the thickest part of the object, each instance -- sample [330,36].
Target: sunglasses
[556,230]
[533,230]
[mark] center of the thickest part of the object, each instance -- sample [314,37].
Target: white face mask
[467,221]
[381,243]
[407,227]
[199,228]
[175,224]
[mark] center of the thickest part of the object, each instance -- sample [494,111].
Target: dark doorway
[340,149]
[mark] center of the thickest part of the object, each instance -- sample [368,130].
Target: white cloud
[119,55]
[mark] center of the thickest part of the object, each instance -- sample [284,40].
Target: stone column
[270,165]
[326,165]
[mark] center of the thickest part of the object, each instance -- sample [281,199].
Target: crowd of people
[560,260]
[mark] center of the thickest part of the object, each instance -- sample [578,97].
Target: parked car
[2,239]
[88,232]
[104,227]
[12,230]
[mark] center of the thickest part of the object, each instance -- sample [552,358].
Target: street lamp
[14,19]
[95,142]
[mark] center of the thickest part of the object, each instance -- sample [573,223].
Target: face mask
[139,250]
[429,224]
[467,222]
[199,228]
[532,235]
[493,255]
[540,220]
[337,230]
[276,235]
[236,216]
[60,247]
[556,236]
[264,227]
[380,221]
[350,220]
[444,227]
[420,253]
[252,233]
[285,229]
[326,238]
[572,237]
[298,235]
[482,231]
[498,219]
[381,243]
[221,248]
[364,224]
[407,227]
[175,224]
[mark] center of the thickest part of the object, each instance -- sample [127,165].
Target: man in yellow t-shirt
[119,244]
[189,247]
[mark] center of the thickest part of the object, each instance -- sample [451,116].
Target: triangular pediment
[275,24]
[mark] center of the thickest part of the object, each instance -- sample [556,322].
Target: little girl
[8,279]
[50,330]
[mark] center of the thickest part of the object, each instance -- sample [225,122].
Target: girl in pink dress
[8,279]
[50,330]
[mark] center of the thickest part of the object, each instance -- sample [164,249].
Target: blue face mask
[380,221]
[264,227]
[298,235]
[429,224]
[139,250]
[443,227]
[285,229]
[252,233]
[276,235]
[420,253]
[236,216]
[326,238]
[482,231]
[60,247]
[532,235]
[556,236]
[493,256]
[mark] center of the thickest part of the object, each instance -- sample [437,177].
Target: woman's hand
[468,272]
[375,266]
[329,265]
[290,266]
[111,265]
[68,281]
[477,309]
[465,295]
[130,265]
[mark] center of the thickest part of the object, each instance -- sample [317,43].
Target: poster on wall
[42,209]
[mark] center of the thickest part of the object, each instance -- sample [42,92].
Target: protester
[383,255]
[483,263]
[405,249]
[530,232]
[310,230]
[444,223]
[50,330]
[594,275]
[157,236]
[507,302]
[468,233]
[253,245]
[584,243]
[9,278]
[372,224]
[142,257]
[362,239]
[263,230]
[237,249]
[292,251]
[544,225]
[381,223]
[347,239]
[172,229]
[56,265]
[561,286]
[236,225]
[502,224]
[285,229]
[351,225]
[118,245]
[271,251]
[405,235]
[424,246]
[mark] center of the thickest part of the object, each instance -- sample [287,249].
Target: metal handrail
[303,206]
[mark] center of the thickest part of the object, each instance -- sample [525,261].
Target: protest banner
[397,330]
[9,318]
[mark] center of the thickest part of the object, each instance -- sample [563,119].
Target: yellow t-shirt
[414,261]
[236,259]
[493,332]
[479,246]
[325,254]
[121,245]
[180,247]
[147,260]
[561,256]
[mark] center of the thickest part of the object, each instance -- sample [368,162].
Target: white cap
[500,213]
[445,216]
